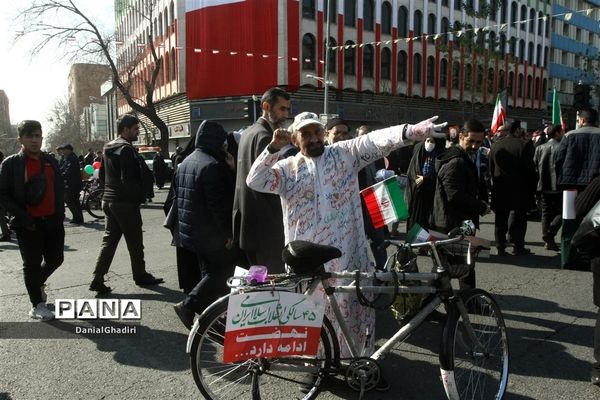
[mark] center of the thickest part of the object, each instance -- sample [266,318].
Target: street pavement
[548,312]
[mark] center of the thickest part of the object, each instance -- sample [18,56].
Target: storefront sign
[179,130]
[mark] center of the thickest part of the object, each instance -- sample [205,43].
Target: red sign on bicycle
[272,324]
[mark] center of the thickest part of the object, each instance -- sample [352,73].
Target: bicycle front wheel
[293,377]
[472,370]
[93,204]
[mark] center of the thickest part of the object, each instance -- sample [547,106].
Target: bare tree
[64,23]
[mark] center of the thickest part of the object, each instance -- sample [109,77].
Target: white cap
[305,118]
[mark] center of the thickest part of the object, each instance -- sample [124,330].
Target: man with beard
[318,189]
[257,218]
[459,191]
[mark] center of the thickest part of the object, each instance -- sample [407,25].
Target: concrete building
[84,85]
[94,122]
[7,131]
[389,61]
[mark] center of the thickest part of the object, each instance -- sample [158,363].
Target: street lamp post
[326,84]
[326,73]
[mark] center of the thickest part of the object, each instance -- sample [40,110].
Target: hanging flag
[556,113]
[385,202]
[499,115]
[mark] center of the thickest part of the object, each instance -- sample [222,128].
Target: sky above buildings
[34,82]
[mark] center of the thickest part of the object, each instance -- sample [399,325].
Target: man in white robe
[321,204]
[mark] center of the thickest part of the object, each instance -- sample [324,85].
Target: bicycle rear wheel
[292,377]
[469,371]
[93,204]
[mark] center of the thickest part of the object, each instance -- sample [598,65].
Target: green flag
[556,115]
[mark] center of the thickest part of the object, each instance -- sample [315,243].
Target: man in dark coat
[121,174]
[459,191]
[160,170]
[32,191]
[550,197]
[71,175]
[204,196]
[513,186]
[578,157]
[257,217]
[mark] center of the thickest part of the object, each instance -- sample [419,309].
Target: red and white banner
[499,115]
[235,28]
[272,324]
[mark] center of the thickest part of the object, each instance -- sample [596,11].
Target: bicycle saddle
[305,257]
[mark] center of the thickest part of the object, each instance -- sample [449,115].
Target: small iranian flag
[499,115]
[556,113]
[385,202]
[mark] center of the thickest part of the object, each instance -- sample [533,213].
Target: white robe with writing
[321,204]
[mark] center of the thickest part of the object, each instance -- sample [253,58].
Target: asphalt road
[548,311]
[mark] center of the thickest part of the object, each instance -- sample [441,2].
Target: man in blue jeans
[31,190]
[121,174]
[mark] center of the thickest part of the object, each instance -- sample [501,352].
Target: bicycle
[91,198]
[474,356]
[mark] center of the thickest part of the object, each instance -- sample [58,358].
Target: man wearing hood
[204,195]
[121,174]
[459,192]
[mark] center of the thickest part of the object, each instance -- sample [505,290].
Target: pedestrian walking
[123,193]
[31,190]
[513,186]
[204,195]
[160,170]
[71,175]
[550,196]
[257,216]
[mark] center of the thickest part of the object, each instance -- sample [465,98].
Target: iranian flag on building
[499,115]
[385,202]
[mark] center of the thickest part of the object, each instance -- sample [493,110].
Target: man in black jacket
[71,174]
[460,192]
[121,174]
[204,197]
[31,190]
[513,186]
[257,217]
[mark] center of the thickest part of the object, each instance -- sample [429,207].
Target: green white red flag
[385,202]
[556,113]
[499,115]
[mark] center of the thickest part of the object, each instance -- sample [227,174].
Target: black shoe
[5,238]
[501,252]
[382,385]
[521,251]
[148,280]
[100,287]
[551,245]
[185,314]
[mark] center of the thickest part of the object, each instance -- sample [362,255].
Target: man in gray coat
[257,217]
[551,198]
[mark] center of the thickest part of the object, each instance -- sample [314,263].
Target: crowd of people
[238,203]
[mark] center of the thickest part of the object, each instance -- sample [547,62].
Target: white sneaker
[41,312]
[44,295]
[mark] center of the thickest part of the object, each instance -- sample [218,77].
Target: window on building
[503,6]
[546,51]
[172,13]
[537,89]
[386,18]
[308,9]
[455,74]
[457,4]
[431,27]
[539,55]
[468,77]
[501,85]
[417,68]
[402,22]
[443,73]
[308,52]
[565,30]
[160,24]
[492,42]
[350,12]
[511,81]
[523,17]
[578,34]
[173,65]
[529,86]
[332,61]
[540,23]
[418,24]
[521,50]
[544,87]
[493,9]
[490,80]
[368,15]
[530,48]
[402,61]
[502,43]
[386,63]
[547,25]
[368,61]
[479,83]
[332,10]
[532,21]
[430,71]
[512,46]
[167,67]
[444,3]
[445,26]
[513,13]
[520,86]
[349,58]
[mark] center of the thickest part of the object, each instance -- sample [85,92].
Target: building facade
[385,61]
[84,85]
